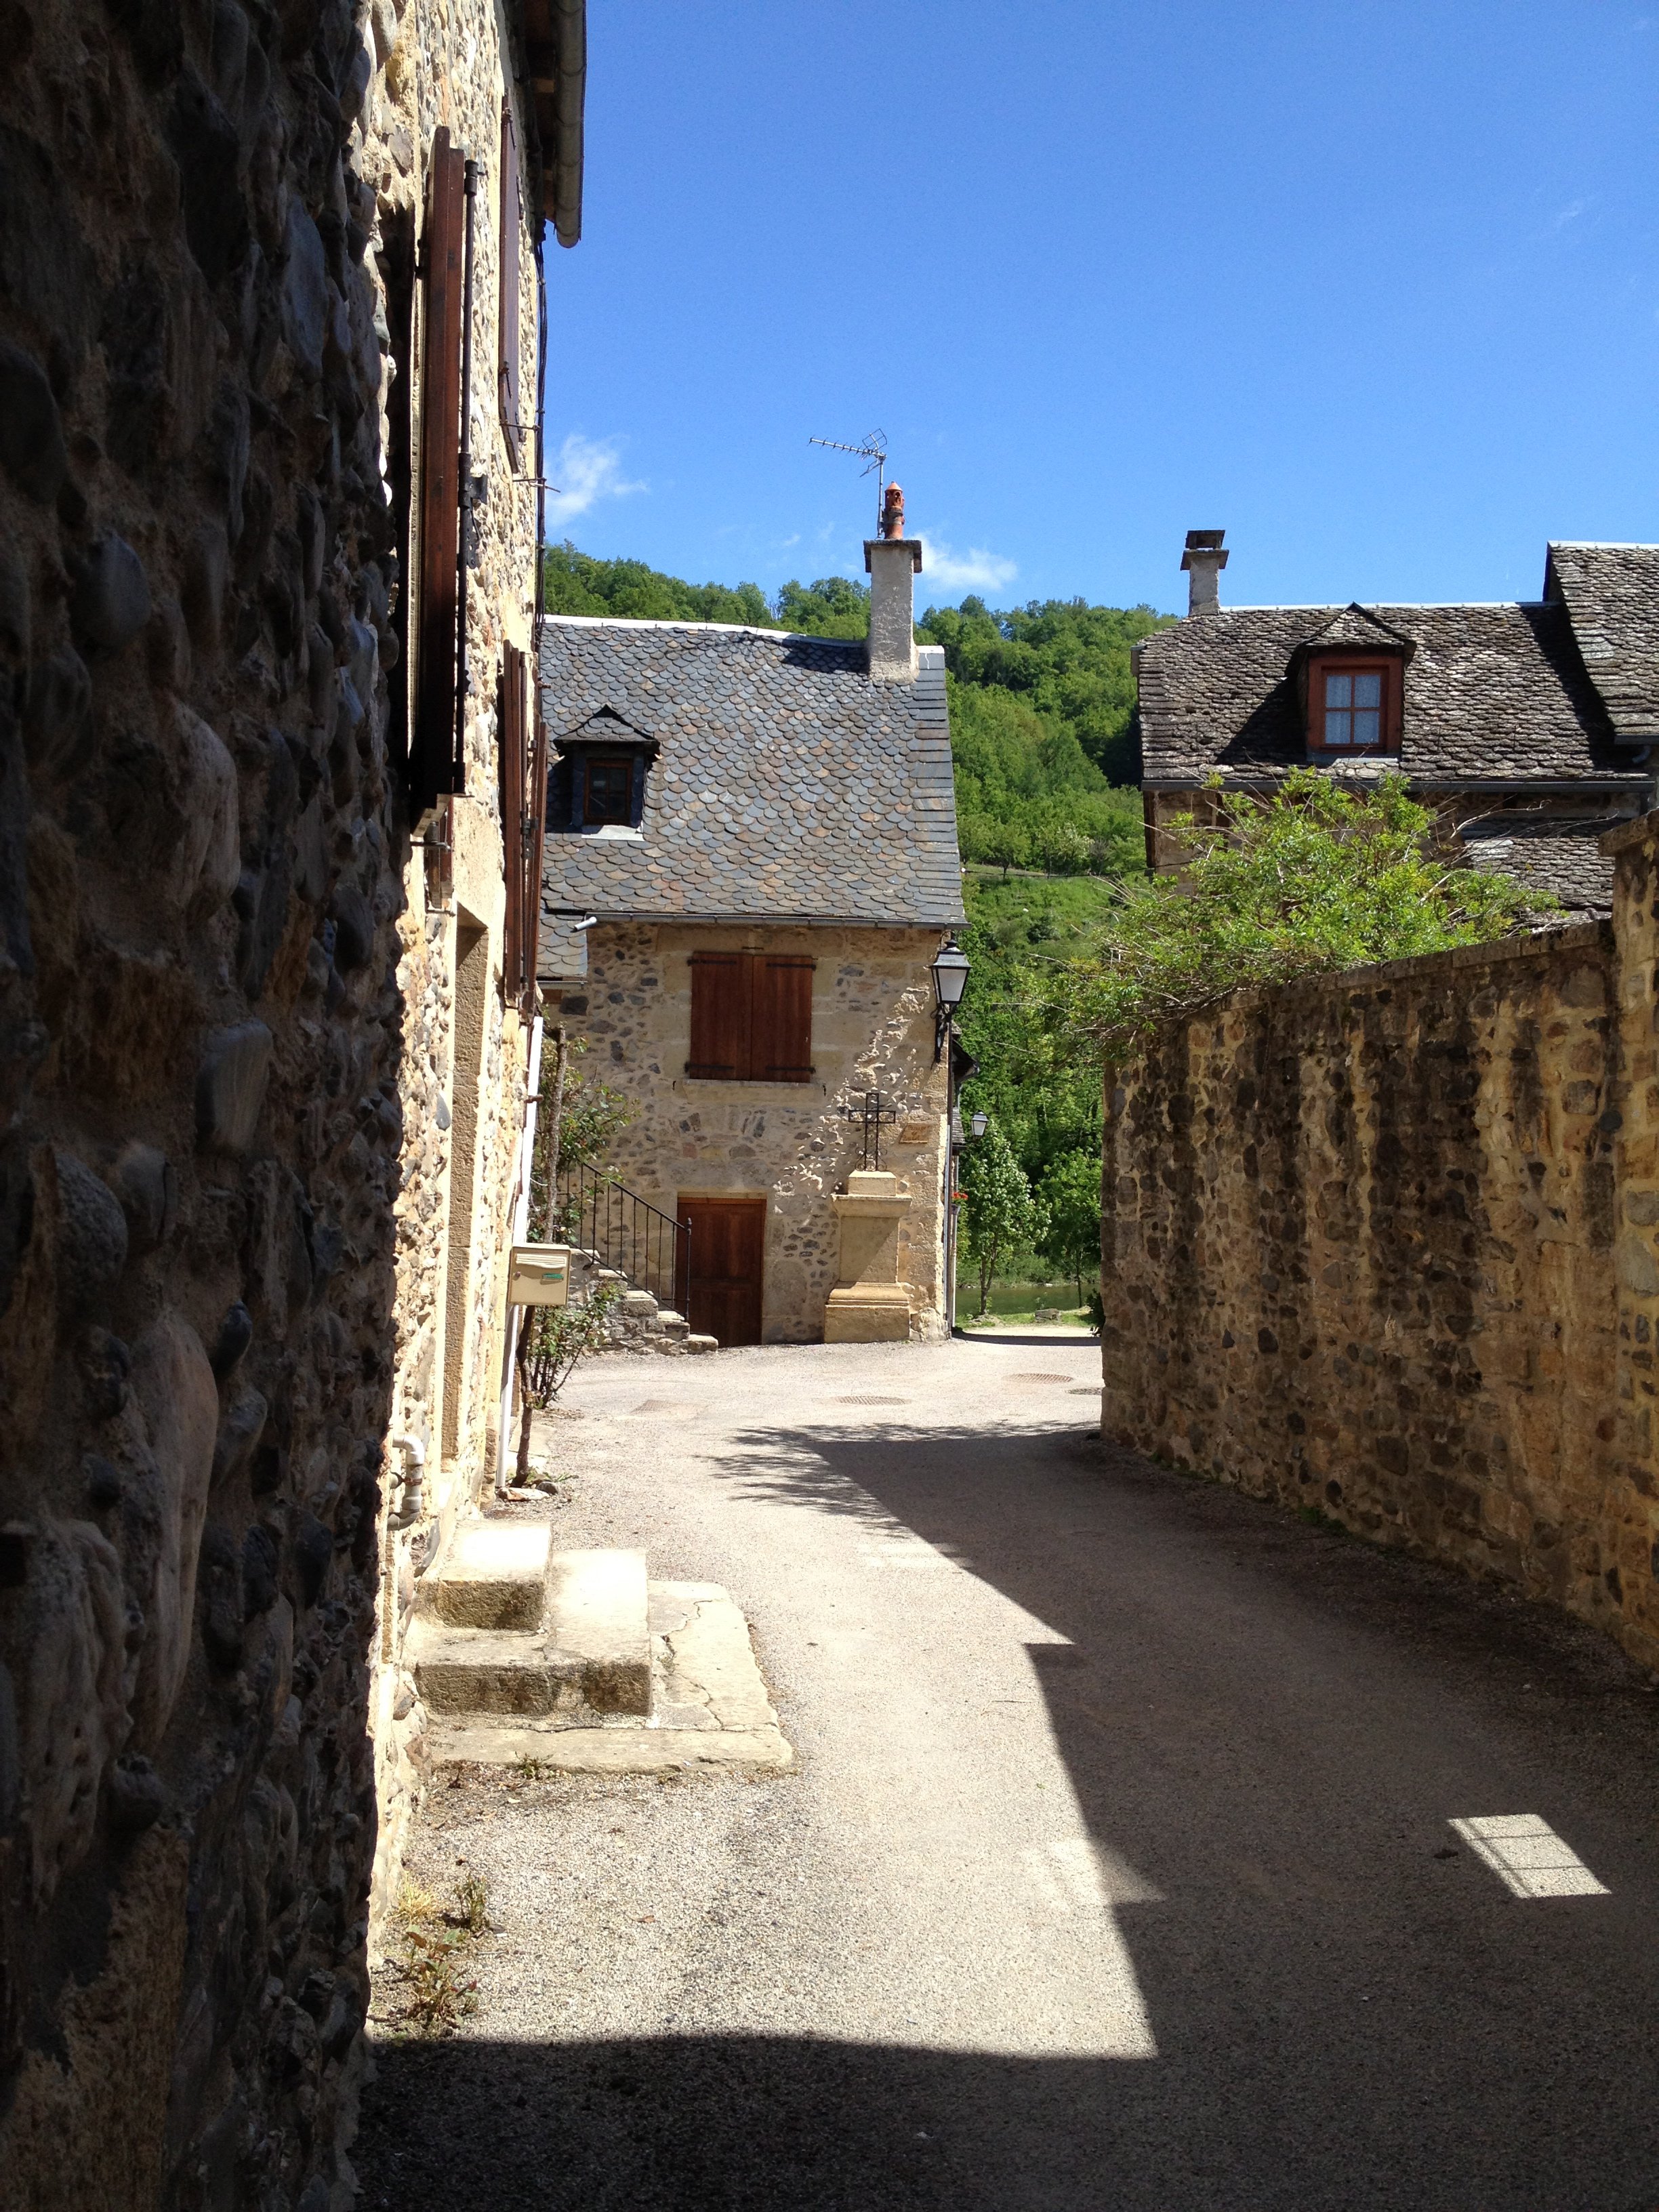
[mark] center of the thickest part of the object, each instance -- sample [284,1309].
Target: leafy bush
[1309,880]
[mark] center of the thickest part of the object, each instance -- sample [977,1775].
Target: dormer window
[1353,706]
[596,785]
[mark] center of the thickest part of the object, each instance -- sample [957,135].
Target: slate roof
[1611,594]
[1562,857]
[1492,694]
[787,785]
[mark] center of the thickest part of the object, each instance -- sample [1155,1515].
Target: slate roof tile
[1611,594]
[1492,694]
[788,785]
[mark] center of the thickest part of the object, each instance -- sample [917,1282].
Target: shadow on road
[1273,1725]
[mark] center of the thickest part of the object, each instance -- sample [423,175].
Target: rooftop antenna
[872,451]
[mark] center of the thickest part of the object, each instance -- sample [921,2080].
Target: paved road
[1117,1874]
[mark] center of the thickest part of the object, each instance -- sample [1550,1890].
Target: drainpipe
[521,1236]
[463,676]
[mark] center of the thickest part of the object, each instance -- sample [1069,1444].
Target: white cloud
[585,470]
[976,570]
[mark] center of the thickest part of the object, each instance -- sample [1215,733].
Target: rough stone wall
[226,981]
[1359,1242]
[873,1029]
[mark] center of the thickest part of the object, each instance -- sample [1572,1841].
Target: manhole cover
[872,1401]
[1039,1378]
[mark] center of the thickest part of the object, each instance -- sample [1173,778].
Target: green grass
[1015,1301]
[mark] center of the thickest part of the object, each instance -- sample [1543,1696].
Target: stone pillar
[869,1305]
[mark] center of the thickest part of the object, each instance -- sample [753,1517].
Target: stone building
[760,830]
[269,387]
[1527,724]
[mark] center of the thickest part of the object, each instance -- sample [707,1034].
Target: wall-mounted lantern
[950,973]
[979,1123]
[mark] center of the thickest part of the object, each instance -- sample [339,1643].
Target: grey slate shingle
[1492,694]
[1561,856]
[1611,594]
[788,785]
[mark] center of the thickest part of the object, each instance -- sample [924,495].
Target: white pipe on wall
[520,1235]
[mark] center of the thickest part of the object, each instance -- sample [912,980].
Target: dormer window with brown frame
[1353,705]
[607,789]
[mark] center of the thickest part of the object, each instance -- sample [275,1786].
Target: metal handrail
[600,1213]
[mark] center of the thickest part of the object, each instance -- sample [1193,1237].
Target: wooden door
[728,1258]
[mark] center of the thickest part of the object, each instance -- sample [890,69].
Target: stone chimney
[1204,562]
[890,561]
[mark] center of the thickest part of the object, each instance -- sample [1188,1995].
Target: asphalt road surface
[1121,1869]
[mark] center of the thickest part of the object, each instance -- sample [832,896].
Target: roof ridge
[729,629]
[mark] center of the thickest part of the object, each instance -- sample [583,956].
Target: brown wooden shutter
[436,764]
[719,1016]
[507,317]
[535,825]
[512,744]
[781,1025]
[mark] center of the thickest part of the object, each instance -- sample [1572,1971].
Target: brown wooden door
[728,1257]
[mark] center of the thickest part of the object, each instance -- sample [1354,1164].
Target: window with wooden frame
[508,334]
[751,1017]
[1353,705]
[607,789]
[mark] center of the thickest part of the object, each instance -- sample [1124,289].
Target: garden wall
[1384,1244]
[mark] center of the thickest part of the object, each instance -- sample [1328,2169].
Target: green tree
[835,606]
[1310,880]
[999,1215]
[1070,1194]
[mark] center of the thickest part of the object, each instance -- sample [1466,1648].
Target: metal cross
[875,1113]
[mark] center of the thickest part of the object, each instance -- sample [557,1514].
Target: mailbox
[539,1275]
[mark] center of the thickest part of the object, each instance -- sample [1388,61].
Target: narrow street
[1116,1873]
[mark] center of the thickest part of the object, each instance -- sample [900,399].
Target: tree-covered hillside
[1042,699]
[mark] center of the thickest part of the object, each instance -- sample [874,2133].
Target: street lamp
[950,973]
[980,1123]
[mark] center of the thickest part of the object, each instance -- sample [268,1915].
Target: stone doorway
[728,1261]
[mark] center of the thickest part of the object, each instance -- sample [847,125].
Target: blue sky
[1373,287]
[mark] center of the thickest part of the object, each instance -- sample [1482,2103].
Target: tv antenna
[872,453]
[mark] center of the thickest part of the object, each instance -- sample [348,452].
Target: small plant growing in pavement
[430,1954]
[1310,880]
[1000,1214]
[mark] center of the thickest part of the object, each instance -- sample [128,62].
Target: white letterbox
[539,1275]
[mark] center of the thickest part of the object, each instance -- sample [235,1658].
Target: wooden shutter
[436,765]
[507,317]
[719,1016]
[781,1025]
[511,741]
[535,825]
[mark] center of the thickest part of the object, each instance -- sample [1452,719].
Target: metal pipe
[521,1236]
[463,675]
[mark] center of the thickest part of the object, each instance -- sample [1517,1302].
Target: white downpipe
[521,1236]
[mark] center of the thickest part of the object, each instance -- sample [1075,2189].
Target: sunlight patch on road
[1528,1856]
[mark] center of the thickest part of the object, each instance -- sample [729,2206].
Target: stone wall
[872,1028]
[1384,1245]
[226,1063]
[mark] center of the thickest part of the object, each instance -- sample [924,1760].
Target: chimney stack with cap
[891,560]
[1204,562]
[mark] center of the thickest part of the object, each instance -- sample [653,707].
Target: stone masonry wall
[872,1028]
[1362,1245]
[227,1061]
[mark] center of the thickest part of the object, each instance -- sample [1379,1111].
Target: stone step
[587,1659]
[494,1575]
[711,1710]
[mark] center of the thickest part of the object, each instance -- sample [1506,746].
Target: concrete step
[710,1710]
[494,1575]
[586,1659]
